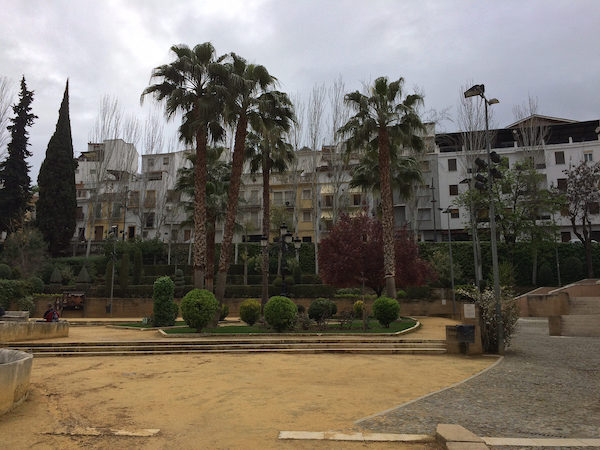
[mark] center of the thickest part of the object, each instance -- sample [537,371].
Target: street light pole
[479,90]
[448,212]
[434,201]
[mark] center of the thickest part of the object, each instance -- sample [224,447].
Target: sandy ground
[220,401]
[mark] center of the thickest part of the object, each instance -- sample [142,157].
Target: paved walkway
[545,387]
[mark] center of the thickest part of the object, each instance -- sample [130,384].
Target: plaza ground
[218,400]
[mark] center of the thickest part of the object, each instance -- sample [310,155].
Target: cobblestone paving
[546,387]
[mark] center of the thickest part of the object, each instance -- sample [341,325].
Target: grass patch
[333,328]
[144,325]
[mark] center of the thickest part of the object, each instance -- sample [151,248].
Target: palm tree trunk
[266,225]
[232,201]
[200,209]
[210,250]
[389,260]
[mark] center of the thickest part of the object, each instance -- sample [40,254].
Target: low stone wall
[15,371]
[27,331]
[543,305]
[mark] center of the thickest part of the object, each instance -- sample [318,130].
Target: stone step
[580,325]
[370,351]
[584,305]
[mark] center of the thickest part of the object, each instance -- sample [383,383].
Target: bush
[224,311]
[179,278]
[5,271]
[198,308]
[26,304]
[56,277]
[348,292]
[165,310]
[418,292]
[83,277]
[322,309]
[124,271]
[280,313]
[358,308]
[400,294]
[289,280]
[572,270]
[545,277]
[36,285]
[138,263]
[386,310]
[250,311]
[12,290]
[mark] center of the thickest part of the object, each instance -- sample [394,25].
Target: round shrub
[280,313]
[386,310]
[358,308]
[400,294]
[165,310]
[289,280]
[250,311]
[198,308]
[5,271]
[322,309]
[36,285]
[224,311]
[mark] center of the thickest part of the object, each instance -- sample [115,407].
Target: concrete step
[369,351]
[584,305]
[580,325]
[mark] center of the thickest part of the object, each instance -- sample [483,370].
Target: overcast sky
[546,49]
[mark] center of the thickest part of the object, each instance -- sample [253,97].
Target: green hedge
[12,290]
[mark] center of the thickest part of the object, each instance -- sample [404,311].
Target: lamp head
[287,237]
[297,243]
[493,101]
[473,91]
[264,241]
[282,229]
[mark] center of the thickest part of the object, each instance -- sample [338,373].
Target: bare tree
[314,123]
[295,137]
[6,99]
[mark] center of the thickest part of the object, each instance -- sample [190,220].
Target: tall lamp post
[474,91]
[448,212]
[264,243]
[113,232]
[286,239]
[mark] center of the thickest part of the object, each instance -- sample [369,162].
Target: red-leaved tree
[352,253]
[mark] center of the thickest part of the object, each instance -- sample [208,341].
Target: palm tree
[269,152]
[246,88]
[188,86]
[384,123]
[216,198]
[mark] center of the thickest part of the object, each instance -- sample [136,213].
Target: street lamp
[113,233]
[286,239]
[297,245]
[264,243]
[448,212]
[479,90]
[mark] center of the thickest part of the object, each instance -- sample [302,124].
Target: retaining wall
[15,371]
[26,331]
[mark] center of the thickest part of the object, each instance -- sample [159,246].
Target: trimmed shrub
[83,277]
[198,307]
[322,309]
[5,271]
[36,285]
[386,310]
[250,311]
[124,271]
[348,292]
[138,264]
[164,310]
[280,313]
[56,277]
[277,282]
[289,280]
[224,311]
[358,308]
[311,278]
[179,278]
[11,290]
[400,294]
[26,304]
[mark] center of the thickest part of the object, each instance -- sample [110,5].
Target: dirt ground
[221,401]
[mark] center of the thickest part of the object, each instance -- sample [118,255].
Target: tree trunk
[200,209]
[266,225]
[389,260]
[232,201]
[210,250]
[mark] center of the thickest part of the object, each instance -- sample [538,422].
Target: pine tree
[15,193]
[57,205]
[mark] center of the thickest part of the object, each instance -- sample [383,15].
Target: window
[425,166]
[150,199]
[81,234]
[174,235]
[80,193]
[289,198]
[454,214]
[424,214]
[306,216]
[98,211]
[452,165]
[559,158]
[564,211]
[173,196]
[593,208]
[356,199]
[92,171]
[306,239]
[151,162]
[588,156]
[134,199]
[306,194]
[562,184]
[329,200]
[166,161]
[187,234]
[565,236]
[453,188]
[155,176]
[116,210]
[79,213]
[254,220]
[254,197]
[149,219]
[278,198]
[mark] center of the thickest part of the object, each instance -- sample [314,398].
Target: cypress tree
[15,193]
[57,205]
